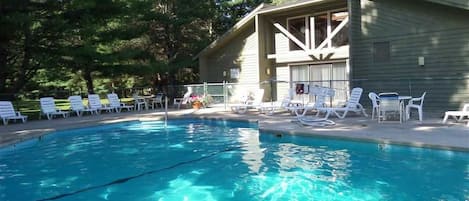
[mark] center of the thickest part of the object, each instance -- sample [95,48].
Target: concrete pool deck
[430,133]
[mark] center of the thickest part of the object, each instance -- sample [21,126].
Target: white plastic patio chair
[139,102]
[7,112]
[157,100]
[94,102]
[49,109]
[184,99]
[374,102]
[115,102]
[352,105]
[458,115]
[77,106]
[416,103]
[389,104]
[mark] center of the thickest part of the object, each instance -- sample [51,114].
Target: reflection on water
[252,153]
[287,171]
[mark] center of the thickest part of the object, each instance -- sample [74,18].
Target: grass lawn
[32,108]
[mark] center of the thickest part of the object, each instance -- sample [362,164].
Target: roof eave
[240,24]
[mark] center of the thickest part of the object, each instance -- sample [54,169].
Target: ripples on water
[218,160]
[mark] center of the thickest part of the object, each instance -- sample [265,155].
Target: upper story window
[312,31]
[320,29]
[297,27]
[342,37]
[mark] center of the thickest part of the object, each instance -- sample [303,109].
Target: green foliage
[80,46]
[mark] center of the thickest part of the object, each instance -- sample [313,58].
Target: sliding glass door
[333,75]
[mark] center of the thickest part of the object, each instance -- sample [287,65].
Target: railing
[443,94]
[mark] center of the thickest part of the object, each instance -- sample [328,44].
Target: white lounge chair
[7,112]
[94,102]
[49,109]
[241,108]
[308,121]
[115,102]
[458,115]
[77,106]
[271,107]
[301,110]
[320,94]
[352,105]
[418,106]
[184,100]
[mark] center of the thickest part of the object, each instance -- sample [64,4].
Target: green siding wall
[439,33]
[240,52]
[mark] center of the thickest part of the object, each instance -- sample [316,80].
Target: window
[381,52]
[297,27]
[320,29]
[314,30]
[340,38]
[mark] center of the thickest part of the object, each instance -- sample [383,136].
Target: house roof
[228,34]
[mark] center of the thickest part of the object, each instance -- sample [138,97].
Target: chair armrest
[415,99]
[18,113]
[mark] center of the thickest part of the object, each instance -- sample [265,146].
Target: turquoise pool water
[219,160]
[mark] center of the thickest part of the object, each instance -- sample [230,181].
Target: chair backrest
[389,103]
[320,101]
[6,109]
[259,95]
[285,102]
[187,95]
[374,98]
[138,99]
[113,100]
[94,101]
[47,105]
[76,103]
[422,98]
[354,99]
[158,98]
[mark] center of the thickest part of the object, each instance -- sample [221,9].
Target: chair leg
[5,121]
[420,114]
[445,118]
[407,113]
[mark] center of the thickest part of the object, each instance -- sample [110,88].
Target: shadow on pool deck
[430,133]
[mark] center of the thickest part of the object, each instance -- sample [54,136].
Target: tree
[231,11]
[98,36]
[28,40]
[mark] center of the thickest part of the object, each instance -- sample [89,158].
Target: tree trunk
[20,77]
[3,68]
[89,81]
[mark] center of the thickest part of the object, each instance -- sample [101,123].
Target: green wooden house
[403,46]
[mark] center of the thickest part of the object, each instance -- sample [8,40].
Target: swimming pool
[222,160]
